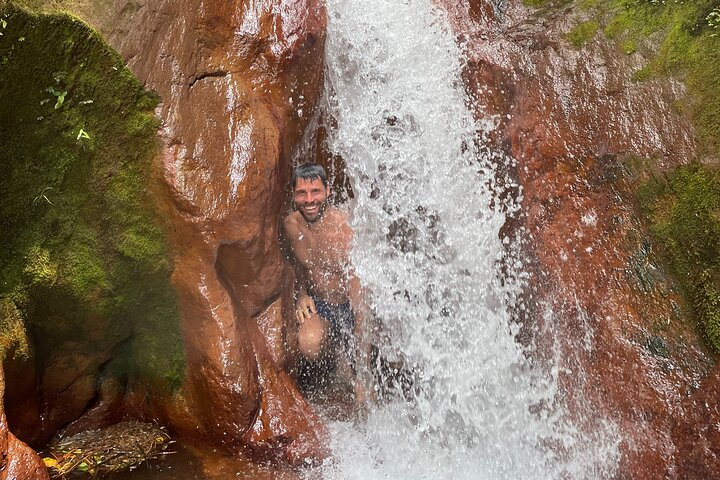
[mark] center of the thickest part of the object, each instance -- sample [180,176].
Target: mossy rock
[81,247]
[688,39]
[13,337]
[684,214]
[582,33]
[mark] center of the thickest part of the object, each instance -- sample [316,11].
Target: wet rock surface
[236,79]
[573,119]
[17,460]
[238,82]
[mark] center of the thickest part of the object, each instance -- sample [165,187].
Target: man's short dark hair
[309,171]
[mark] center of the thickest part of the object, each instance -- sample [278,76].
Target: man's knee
[311,338]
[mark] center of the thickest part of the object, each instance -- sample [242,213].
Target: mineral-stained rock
[697,433]
[17,460]
[570,118]
[238,82]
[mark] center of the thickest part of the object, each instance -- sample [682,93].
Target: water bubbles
[427,215]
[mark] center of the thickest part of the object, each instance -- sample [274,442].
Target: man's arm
[363,372]
[304,305]
[359,302]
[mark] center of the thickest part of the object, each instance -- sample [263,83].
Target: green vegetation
[582,33]
[81,251]
[685,34]
[13,337]
[688,35]
[684,209]
[547,4]
[535,3]
[684,214]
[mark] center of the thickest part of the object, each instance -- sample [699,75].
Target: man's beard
[320,211]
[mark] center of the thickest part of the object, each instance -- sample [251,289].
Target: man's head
[310,191]
[309,171]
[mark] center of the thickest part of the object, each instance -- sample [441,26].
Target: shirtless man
[329,309]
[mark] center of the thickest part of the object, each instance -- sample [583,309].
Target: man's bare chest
[325,252]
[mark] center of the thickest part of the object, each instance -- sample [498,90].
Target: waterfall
[427,217]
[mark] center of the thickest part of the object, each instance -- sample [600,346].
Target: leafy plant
[43,196]
[60,96]
[82,134]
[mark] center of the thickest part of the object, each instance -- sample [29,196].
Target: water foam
[428,247]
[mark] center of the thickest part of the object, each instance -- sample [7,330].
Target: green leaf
[60,100]
[59,76]
[82,134]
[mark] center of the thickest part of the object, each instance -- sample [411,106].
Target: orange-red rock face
[17,460]
[569,117]
[238,81]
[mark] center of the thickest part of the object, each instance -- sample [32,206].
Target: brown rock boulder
[17,460]
[239,81]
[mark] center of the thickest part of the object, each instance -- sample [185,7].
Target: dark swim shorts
[341,320]
[341,342]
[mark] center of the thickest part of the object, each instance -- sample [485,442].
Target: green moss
[534,3]
[582,33]
[80,244]
[684,213]
[39,268]
[688,33]
[629,46]
[703,79]
[642,74]
[13,337]
[589,4]
[546,5]
[674,50]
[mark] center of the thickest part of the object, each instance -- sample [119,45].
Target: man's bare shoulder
[293,223]
[338,216]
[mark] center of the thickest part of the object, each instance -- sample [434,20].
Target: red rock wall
[571,118]
[238,81]
[17,460]
[226,72]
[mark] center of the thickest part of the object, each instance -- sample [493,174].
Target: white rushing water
[427,222]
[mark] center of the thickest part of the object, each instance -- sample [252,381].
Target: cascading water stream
[427,219]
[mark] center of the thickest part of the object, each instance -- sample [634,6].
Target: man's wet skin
[320,238]
[310,198]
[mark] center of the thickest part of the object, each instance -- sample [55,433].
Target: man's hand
[304,308]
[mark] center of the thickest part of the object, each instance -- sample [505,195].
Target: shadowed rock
[17,460]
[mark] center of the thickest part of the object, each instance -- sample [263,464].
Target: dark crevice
[204,75]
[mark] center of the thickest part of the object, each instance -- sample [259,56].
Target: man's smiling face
[310,197]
